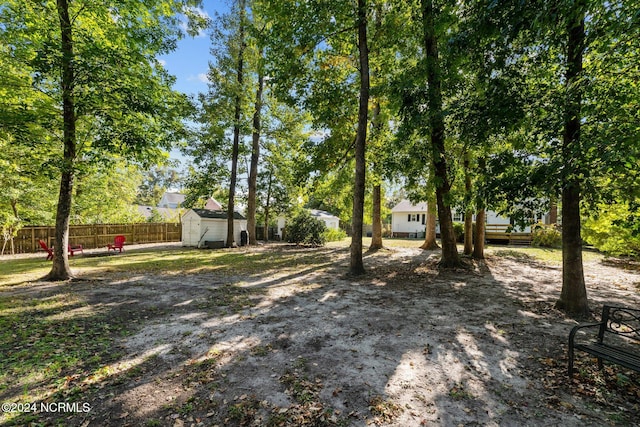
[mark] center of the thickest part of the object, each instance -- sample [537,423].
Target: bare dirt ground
[404,345]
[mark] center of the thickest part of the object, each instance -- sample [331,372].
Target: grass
[173,261]
[52,340]
[166,261]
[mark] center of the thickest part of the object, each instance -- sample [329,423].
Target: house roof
[407,206]
[213,204]
[174,197]
[206,213]
[322,214]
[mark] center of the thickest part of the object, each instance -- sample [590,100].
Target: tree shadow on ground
[301,344]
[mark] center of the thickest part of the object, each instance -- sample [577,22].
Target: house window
[413,218]
[458,217]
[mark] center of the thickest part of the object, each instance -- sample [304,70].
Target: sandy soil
[404,345]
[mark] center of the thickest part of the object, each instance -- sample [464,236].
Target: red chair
[72,250]
[118,243]
[49,250]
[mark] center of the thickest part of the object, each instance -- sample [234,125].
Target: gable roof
[171,198]
[207,213]
[407,206]
[213,204]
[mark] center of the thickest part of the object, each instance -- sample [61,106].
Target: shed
[204,225]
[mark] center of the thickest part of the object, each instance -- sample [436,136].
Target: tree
[155,182]
[573,297]
[255,156]
[356,265]
[236,119]
[100,71]
[437,129]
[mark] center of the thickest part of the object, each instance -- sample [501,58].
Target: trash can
[244,238]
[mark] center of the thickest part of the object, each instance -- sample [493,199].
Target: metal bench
[617,339]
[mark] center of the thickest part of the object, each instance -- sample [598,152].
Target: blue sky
[190,61]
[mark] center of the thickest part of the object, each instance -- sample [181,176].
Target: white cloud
[162,62]
[202,77]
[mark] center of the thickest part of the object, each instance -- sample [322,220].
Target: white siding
[214,229]
[197,230]
[190,229]
[330,223]
[401,223]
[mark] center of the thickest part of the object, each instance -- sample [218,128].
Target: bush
[305,229]
[546,236]
[458,230]
[615,231]
[334,234]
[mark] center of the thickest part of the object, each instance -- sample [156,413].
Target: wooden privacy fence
[98,235]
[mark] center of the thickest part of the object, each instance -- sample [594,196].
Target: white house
[330,221]
[408,220]
[171,200]
[203,225]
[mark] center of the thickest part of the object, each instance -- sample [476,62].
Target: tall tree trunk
[376,220]
[60,269]
[468,209]
[253,168]
[430,242]
[236,130]
[573,298]
[376,232]
[450,256]
[356,265]
[267,206]
[553,211]
[478,246]
[481,216]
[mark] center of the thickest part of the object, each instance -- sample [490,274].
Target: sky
[189,63]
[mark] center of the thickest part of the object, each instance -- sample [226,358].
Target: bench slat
[613,354]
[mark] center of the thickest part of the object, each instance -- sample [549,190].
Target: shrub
[458,230]
[305,229]
[615,230]
[546,236]
[334,234]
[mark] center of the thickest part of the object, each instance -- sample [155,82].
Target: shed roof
[207,213]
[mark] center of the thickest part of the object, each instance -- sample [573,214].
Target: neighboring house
[330,221]
[171,200]
[204,225]
[408,220]
[213,205]
[167,214]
